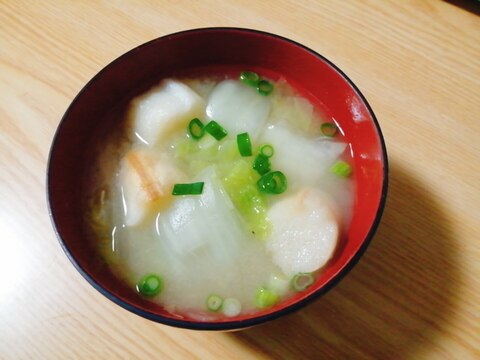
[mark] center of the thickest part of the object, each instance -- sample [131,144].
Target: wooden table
[416,292]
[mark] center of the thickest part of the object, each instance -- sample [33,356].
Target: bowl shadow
[393,304]
[472,6]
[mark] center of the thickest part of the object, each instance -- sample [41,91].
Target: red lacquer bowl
[204,51]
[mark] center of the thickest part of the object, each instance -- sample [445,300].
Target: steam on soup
[222,197]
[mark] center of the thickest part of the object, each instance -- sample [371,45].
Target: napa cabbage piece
[163,110]
[238,108]
[305,231]
[237,175]
[293,109]
[240,182]
[304,161]
[195,156]
[203,223]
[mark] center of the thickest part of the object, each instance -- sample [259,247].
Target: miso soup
[221,196]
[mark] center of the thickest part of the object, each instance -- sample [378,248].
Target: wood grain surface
[416,292]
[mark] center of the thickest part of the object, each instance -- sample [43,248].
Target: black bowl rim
[256,320]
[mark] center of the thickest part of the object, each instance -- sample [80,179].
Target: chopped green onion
[267,150]
[150,285]
[188,189]
[264,87]
[341,168]
[214,303]
[265,298]
[196,129]
[274,182]
[244,144]
[231,307]
[329,129]
[216,130]
[302,281]
[250,78]
[261,164]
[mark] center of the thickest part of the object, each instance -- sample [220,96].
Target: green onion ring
[196,129]
[244,144]
[214,302]
[341,168]
[216,130]
[301,281]
[250,78]
[329,129]
[267,150]
[265,298]
[264,87]
[150,285]
[261,164]
[274,182]
[188,189]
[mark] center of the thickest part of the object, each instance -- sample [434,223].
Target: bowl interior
[204,51]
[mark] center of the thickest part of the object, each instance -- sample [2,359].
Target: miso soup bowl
[202,51]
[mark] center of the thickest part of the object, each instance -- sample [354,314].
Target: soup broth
[226,215]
